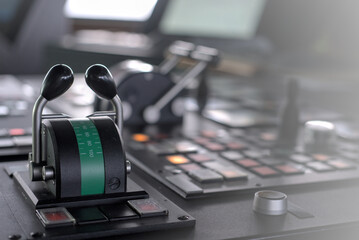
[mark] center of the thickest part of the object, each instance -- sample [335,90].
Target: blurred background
[276,34]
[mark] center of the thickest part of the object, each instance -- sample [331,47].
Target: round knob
[319,137]
[57,81]
[270,202]
[100,80]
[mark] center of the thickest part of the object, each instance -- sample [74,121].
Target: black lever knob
[100,80]
[290,122]
[57,81]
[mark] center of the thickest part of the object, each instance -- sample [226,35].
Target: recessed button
[87,215]
[265,171]
[117,212]
[205,176]
[147,207]
[184,183]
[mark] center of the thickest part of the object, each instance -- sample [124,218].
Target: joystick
[76,157]
[150,95]
[289,124]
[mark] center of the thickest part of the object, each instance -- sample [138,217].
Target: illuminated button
[232,174]
[200,157]
[147,207]
[321,157]
[289,169]
[139,137]
[340,164]
[268,136]
[177,159]
[201,140]
[265,171]
[209,133]
[235,145]
[17,132]
[55,217]
[247,163]
[214,146]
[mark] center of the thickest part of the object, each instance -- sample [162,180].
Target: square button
[200,157]
[87,215]
[320,166]
[320,157]
[236,145]
[248,163]
[265,171]
[212,146]
[232,155]
[177,159]
[340,164]
[147,207]
[55,217]
[299,158]
[290,169]
[205,175]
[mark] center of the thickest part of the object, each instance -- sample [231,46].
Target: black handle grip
[57,81]
[100,80]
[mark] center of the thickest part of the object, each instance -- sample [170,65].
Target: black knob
[100,80]
[57,81]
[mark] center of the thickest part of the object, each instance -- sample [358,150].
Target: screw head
[114,183]
[183,218]
[14,237]
[36,234]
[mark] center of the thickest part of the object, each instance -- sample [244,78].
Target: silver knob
[270,202]
[319,137]
[48,173]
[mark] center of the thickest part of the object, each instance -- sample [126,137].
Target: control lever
[205,56]
[289,125]
[100,80]
[178,50]
[56,82]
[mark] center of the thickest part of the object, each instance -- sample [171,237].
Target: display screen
[212,18]
[12,14]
